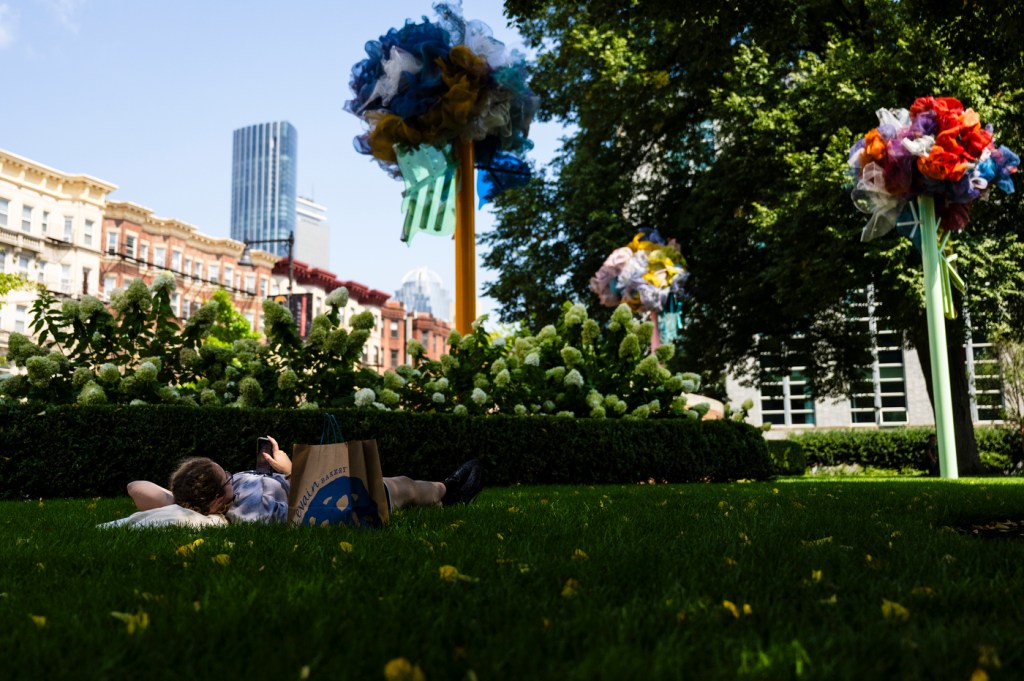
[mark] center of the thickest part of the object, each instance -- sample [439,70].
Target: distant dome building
[423,291]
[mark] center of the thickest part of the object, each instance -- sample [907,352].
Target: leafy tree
[727,126]
[11,282]
[229,325]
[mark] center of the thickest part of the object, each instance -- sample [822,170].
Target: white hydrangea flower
[478,396]
[575,315]
[438,398]
[573,378]
[547,332]
[365,397]
[338,297]
[163,282]
[532,359]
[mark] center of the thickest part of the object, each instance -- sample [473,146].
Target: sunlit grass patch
[830,579]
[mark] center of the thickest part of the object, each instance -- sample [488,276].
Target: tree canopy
[727,126]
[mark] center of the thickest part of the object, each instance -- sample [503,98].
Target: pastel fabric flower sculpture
[643,274]
[936,147]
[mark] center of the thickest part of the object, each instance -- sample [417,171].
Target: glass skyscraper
[263,184]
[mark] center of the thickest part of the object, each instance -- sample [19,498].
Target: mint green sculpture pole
[941,393]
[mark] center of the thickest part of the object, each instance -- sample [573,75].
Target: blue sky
[146,93]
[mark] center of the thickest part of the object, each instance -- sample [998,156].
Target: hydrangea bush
[573,368]
[141,354]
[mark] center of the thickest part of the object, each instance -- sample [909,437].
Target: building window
[86,233]
[20,318]
[129,245]
[425,336]
[394,358]
[983,377]
[188,267]
[394,328]
[786,398]
[176,261]
[46,222]
[41,271]
[263,287]
[112,243]
[69,231]
[186,308]
[176,304]
[109,284]
[86,273]
[65,278]
[143,255]
[250,283]
[3,260]
[23,262]
[251,318]
[229,273]
[26,219]
[160,257]
[213,271]
[197,269]
[880,396]
[4,206]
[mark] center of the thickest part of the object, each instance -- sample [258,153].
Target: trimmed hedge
[787,457]
[76,451]
[889,448]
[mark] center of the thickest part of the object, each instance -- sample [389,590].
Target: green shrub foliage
[141,354]
[82,451]
[895,448]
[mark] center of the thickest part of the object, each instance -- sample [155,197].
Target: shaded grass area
[834,579]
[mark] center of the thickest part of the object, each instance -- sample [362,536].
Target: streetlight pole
[246,259]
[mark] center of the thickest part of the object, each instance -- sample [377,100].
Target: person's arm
[278,460]
[149,495]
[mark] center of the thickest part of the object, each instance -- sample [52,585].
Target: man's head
[201,485]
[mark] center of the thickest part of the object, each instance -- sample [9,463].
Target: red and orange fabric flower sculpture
[937,148]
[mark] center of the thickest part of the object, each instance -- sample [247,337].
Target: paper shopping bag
[337,484]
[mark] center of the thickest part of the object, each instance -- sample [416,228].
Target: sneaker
[464,484]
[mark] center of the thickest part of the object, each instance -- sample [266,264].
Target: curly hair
[196,484]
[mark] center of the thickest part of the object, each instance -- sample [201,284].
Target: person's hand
[278,460]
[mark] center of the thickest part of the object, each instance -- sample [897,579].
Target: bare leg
[149,495]
[406,492]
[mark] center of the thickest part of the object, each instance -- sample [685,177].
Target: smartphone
[262,466]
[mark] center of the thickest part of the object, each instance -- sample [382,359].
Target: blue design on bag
[343,501]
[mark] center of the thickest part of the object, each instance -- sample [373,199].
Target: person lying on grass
[201,485]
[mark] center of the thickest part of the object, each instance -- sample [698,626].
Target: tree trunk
[967,460]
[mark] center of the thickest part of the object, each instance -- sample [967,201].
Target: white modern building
[312,234]
[892,391]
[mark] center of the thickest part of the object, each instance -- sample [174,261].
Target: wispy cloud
[8,19]
[65,11]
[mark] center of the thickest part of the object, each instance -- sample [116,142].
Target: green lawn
[822,579]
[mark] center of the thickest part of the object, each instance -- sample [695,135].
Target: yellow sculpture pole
[465,243]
